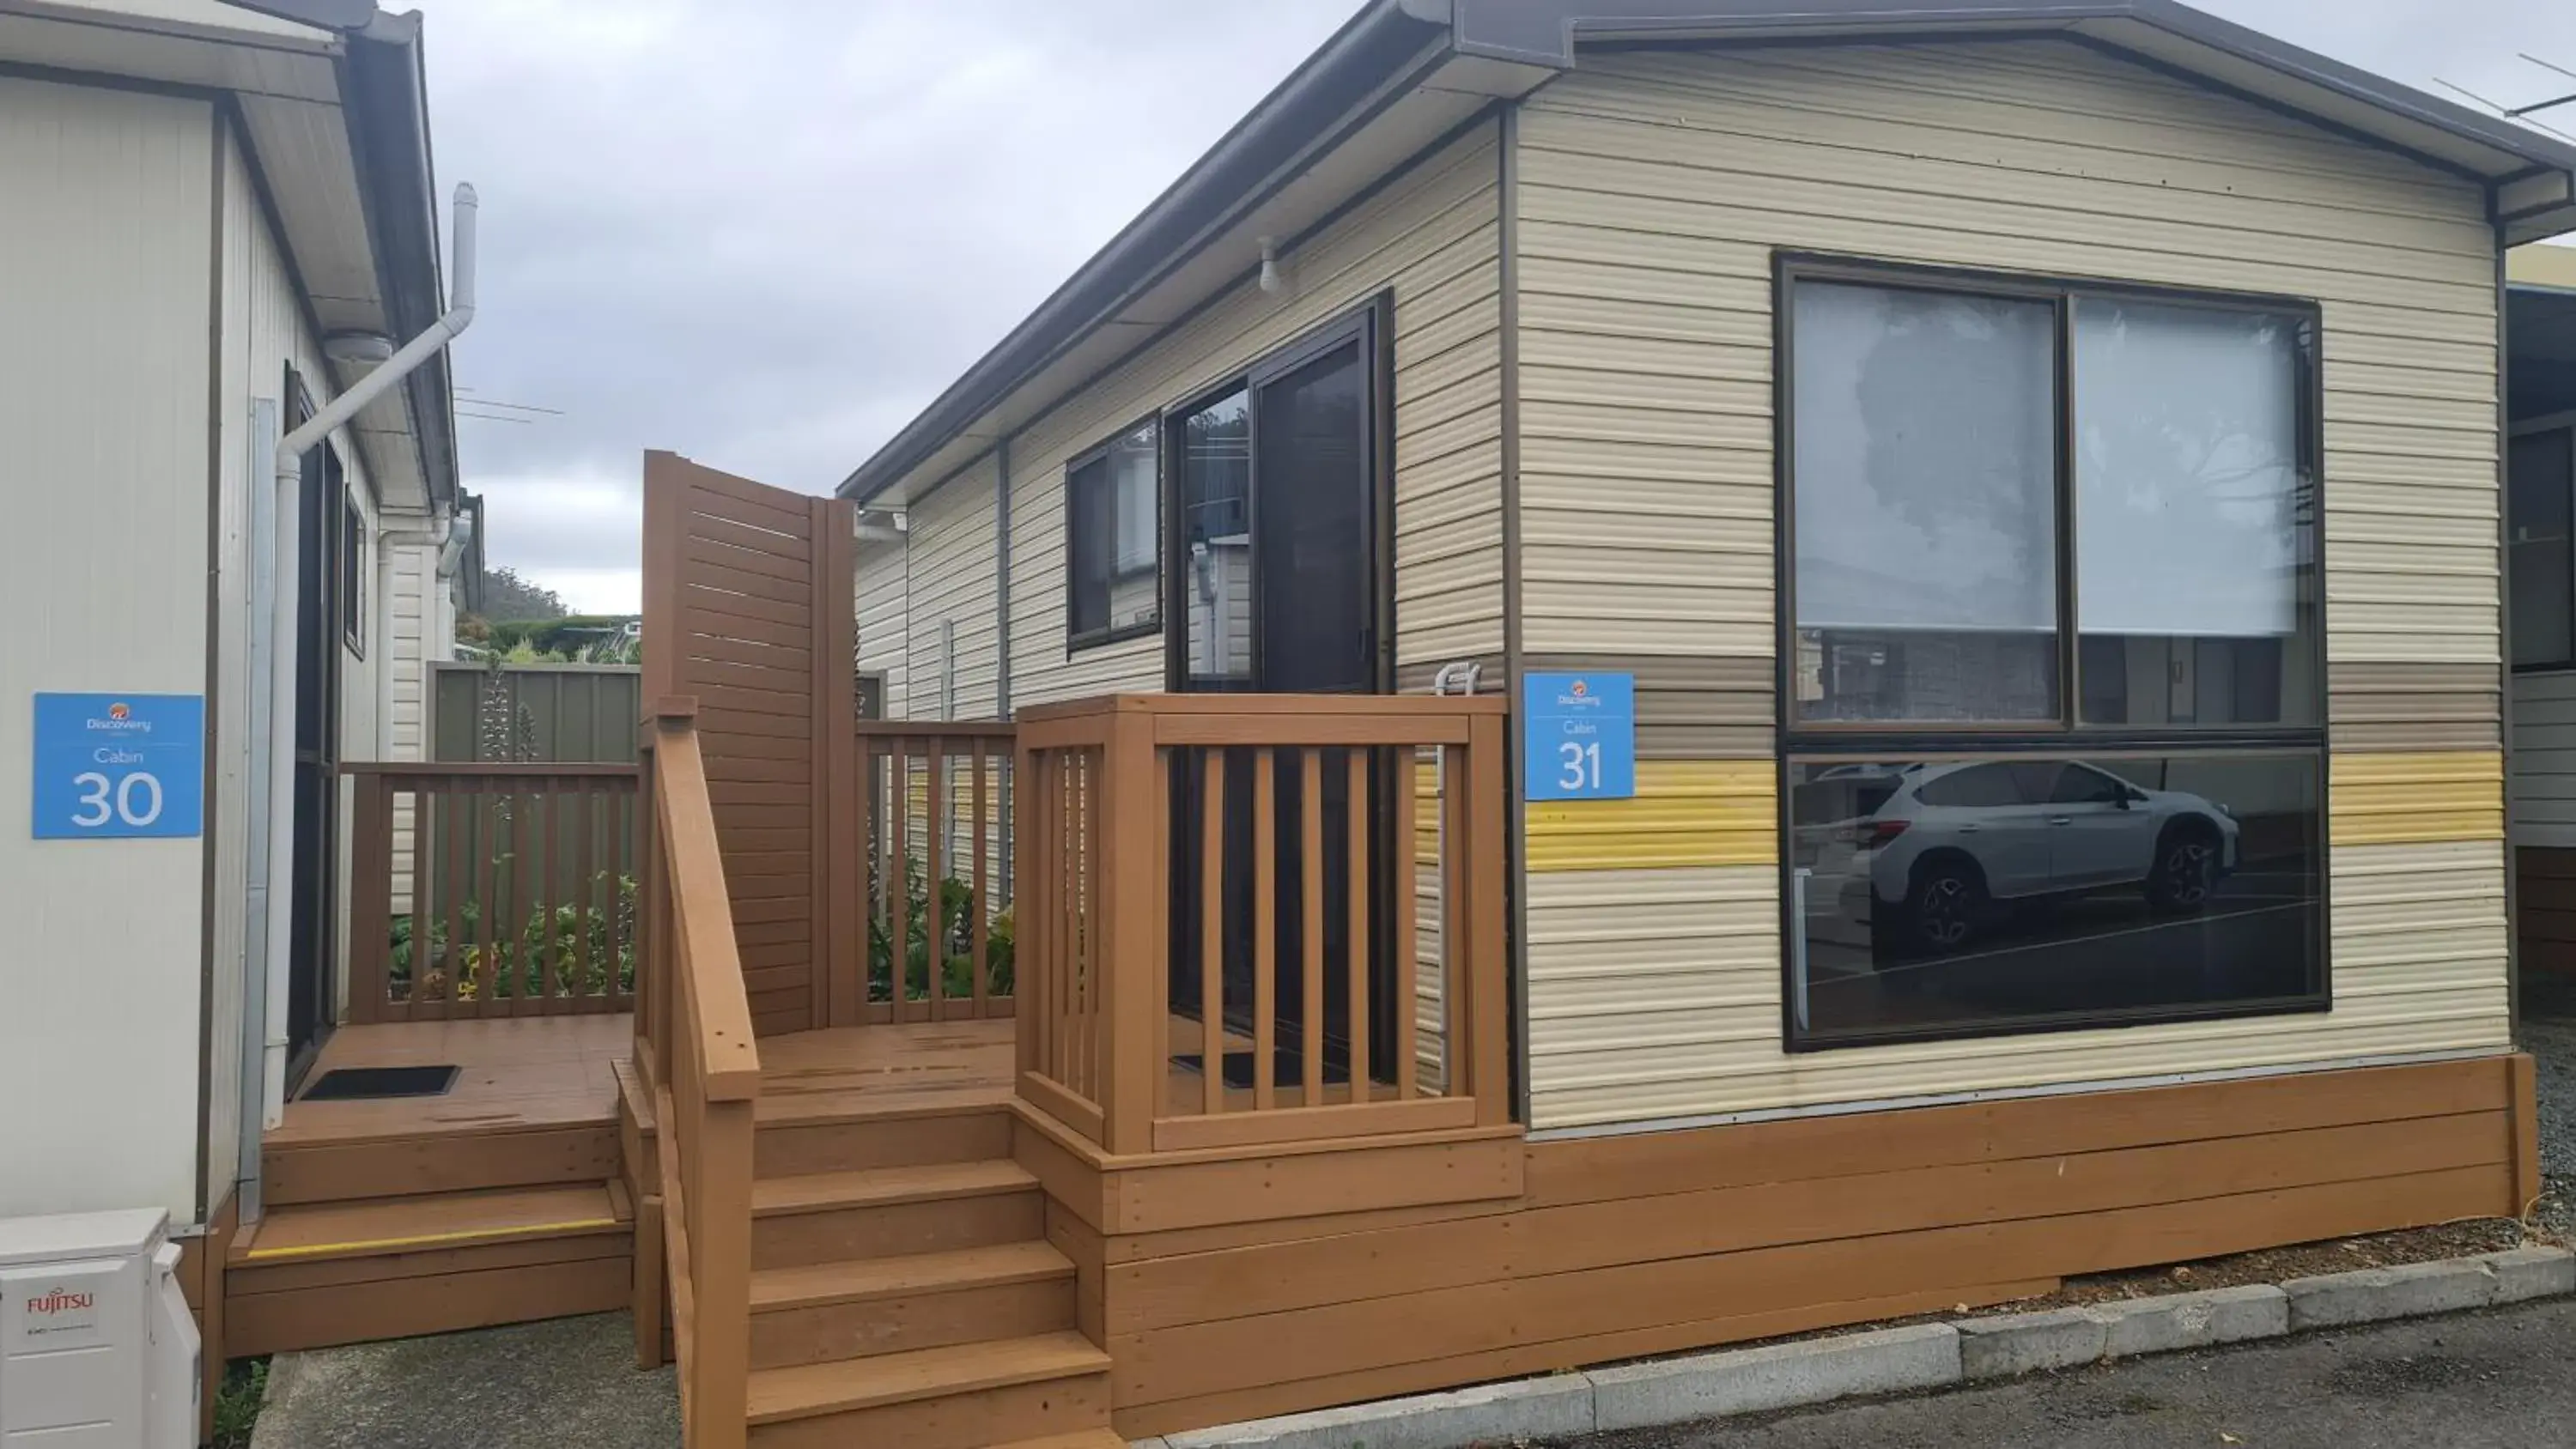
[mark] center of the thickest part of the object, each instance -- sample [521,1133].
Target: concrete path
[2501,1379]
[568,1384]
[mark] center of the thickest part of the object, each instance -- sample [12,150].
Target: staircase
[903,1291]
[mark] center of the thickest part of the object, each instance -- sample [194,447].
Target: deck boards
[519,1073]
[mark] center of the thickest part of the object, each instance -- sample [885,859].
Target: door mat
[361,1084]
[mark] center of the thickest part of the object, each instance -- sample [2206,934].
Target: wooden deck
[520,1074]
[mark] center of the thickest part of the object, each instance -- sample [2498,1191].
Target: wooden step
[317,1276]
[830,1132]
[890,1212]
[1087,1439]
[968,1396]
[894,1305]
[377,1226]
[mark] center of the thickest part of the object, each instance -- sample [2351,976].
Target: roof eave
[2532,176]
[1377,43]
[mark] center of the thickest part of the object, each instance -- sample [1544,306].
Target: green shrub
[956,951]
[515,965]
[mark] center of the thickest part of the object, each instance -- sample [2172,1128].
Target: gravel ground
[2549,1032]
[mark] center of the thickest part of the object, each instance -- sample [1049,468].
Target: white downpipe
[281,692]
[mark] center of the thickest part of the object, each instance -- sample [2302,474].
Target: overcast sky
[765,233]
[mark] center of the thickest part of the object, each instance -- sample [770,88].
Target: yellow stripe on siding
[1686,812]
[2401,798]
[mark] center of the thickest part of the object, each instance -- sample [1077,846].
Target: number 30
[96,811]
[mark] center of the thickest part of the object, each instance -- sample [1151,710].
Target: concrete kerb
[1898,1360]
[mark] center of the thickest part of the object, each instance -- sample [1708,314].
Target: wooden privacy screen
[748,609]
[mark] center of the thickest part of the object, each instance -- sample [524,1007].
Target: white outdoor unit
[96,1347]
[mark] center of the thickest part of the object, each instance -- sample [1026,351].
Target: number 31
[1582,766]
[95,810]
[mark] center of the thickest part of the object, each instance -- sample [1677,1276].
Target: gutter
[1375,45]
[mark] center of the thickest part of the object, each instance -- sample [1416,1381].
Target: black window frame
[1370,324]
[1151,425]
[352,552]
[2563,424]
[2068,739]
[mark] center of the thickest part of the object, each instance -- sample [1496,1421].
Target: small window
[353,592]
[2540,495]
[1113,535]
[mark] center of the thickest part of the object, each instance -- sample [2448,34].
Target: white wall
[105,241]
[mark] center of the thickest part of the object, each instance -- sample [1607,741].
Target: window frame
[2062,293]
[1370,323]
[2068,738]
[1099,453]
[2542,426]
[351,551]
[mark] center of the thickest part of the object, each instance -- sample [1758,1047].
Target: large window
[1113,496]
[2054,701]
[2540,487]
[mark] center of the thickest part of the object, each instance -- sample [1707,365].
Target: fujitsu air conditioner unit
[97,1350]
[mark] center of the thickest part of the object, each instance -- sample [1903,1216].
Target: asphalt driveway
[2504,1379]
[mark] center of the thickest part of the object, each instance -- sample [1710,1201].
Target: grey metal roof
[2531,176]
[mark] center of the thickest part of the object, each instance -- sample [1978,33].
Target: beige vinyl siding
[953,617]
[1656,994]
[2544,759]
[1655,189]
[410,577]
[885,631]
[1430,235]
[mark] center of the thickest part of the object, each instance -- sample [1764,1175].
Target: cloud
[766,234]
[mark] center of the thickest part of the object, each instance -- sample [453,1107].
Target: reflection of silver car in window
[1941,844]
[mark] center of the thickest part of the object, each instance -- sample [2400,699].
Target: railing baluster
[1310,874]
[934,877]
[424,883]
[585,892]
[1212,931]
[1265,929]
[979,928]
[899,878]
[1095,893]
[1357,961]
[371,892]
[1404,874]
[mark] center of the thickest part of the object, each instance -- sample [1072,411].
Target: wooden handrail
[1304,1023]
[702,916]
[698,1051]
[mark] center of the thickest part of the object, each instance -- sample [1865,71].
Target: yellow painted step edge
[422,1240]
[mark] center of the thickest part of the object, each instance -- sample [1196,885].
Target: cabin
[1635,675]
[215,216]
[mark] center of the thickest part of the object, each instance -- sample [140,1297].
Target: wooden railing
[934,855]
[1257,919]
[482,890]
[695,1045]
